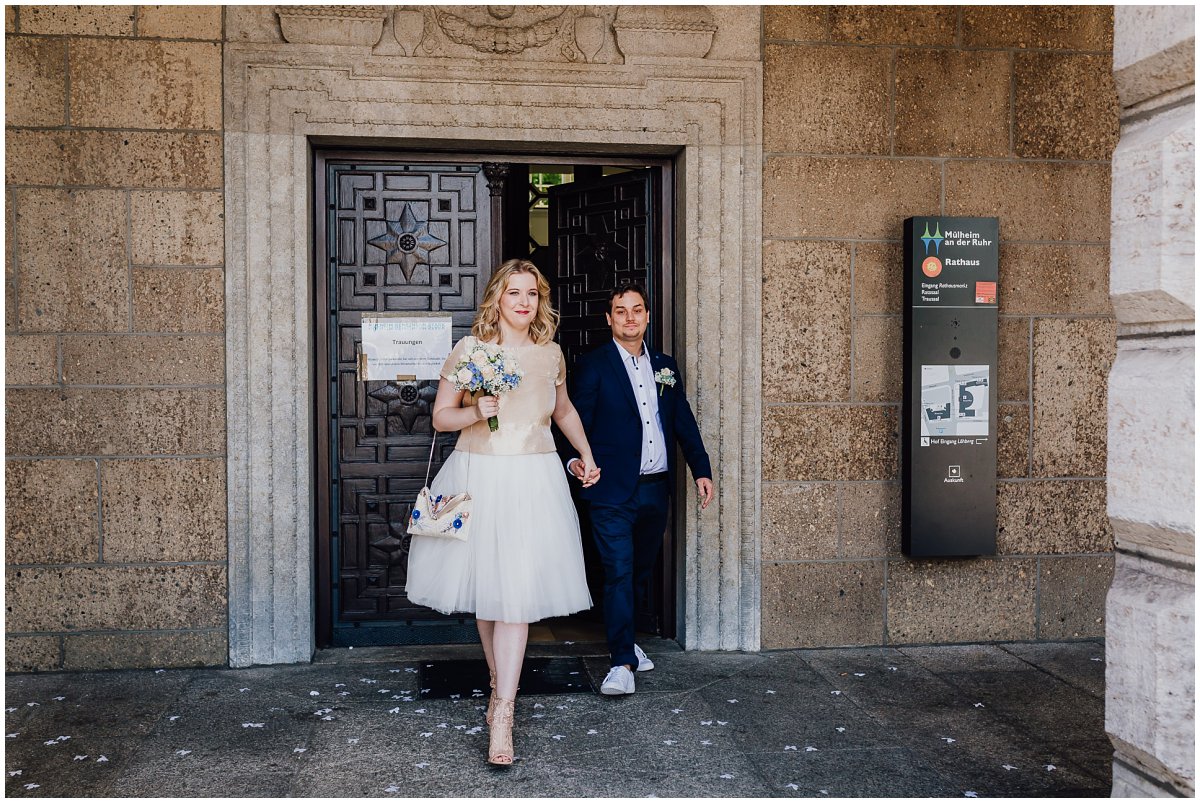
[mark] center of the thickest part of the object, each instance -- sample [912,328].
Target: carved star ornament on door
[407,242]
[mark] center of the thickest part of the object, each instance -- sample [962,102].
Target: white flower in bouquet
[487,370]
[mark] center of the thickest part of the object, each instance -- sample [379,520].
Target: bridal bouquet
[487,370]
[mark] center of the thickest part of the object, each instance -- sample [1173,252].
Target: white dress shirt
[645,392]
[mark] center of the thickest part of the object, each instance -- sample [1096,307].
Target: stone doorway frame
[279,98]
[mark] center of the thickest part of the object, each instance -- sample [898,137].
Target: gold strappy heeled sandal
[491,698]
[500,735]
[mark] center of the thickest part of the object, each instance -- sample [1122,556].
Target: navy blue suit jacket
[601,392]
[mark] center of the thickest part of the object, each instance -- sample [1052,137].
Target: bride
[522,560]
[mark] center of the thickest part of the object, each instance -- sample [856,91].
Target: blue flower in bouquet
[487,370]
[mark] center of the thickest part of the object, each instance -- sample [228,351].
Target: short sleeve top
[525,410]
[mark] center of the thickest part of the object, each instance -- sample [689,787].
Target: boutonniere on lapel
[665,377]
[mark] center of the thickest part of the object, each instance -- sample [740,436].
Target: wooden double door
[402,232]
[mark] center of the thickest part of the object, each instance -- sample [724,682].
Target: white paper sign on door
[403,346]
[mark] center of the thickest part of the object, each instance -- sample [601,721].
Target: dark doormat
[469,678]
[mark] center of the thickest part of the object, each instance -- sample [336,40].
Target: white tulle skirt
[522,560]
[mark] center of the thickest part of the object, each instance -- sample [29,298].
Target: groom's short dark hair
[628,287]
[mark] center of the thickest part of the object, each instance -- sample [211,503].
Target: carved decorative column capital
[496,174]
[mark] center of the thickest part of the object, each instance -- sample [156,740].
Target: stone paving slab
[1021,720]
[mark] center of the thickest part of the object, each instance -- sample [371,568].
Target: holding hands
[585,470]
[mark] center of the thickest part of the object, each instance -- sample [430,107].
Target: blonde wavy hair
[487,320]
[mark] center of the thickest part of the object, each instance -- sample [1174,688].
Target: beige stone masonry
[83,229]
[78,20]
[51,512]
[98,651]
[143,360]
[145,84]
[177,228]
[54,598]
[35,85]
[163,510]
[150,159]
[180,22]
[30,360]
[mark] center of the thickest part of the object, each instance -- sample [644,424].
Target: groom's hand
[704,487]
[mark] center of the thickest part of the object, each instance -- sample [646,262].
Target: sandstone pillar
[1151,424]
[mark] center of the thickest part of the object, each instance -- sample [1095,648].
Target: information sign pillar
[949,415]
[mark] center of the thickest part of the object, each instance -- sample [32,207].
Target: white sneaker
[644,663]
[618,681]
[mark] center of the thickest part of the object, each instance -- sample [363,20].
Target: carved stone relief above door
[579,34]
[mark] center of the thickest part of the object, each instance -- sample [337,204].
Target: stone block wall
[1151,669]
[873,114]
[114,321]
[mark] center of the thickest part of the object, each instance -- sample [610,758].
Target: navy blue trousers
[628,538]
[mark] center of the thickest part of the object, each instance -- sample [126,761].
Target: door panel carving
[399,237]
[603,232]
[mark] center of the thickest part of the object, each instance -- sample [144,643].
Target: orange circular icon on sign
[931,267]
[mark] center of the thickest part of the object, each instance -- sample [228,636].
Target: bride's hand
[591,473]
[486,407]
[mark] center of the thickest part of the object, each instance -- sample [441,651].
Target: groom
[634,411]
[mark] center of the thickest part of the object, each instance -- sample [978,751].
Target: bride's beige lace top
[524,411]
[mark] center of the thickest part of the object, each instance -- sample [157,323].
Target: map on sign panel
[954,400]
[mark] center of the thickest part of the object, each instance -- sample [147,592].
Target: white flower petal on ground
[80,758]
[443,725]
[51,741]
[860,674]
[420,710]
[568,642]
[593,732]
[706,722]
[32,785]
[835,692]
[558,737]
[561,707]
[157,671]
[706,742]
[537,716]
[245,689]
[11,773]
[668,742]
[722,722]
[1050,768]
[726,776]
[393,788]
[338,685]
[793,786]
[327,719]
[770,691]
[538,705]
[299,749]
[182,752]
[253,724]
[1008,767]
[422,765]
[29,704]
[840,729]
[395,710]
[10,710]
[410,669]
[893,669]
[790,747]
[1097,659]
[352,741]
[60,698]
[102,759]
[948,740]
[676,710]
[426,734]
[12,735]
[810,749]
[731,701]
[63,738]
[173,717]
[970,794]
[395,670]
[979,705]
